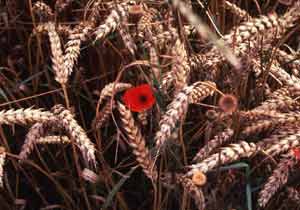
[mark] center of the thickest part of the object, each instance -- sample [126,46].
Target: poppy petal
[139,98]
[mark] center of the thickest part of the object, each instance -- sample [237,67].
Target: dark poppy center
[143,98]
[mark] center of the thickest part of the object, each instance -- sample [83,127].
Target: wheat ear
[154,61]
[162,40]
[137,143]
[289,61]
[226,155]
[214,143]
[278,178]
[289,19]
[37,131]
[142,117]
[112,21]
[126,36]
[201,90]
[25,116]
[103,115]
[61,75]
[76,133]
[166,81]
[72,48]
[294,195]
[61,5]
[176,111]
[283,76]
[145,27]
[42,10]
[110,89]
[181,67]
[53,140]
[263,125]
[194,191]
[283,144]
[242,14]
[80,34]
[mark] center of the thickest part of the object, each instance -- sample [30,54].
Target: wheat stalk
[43,28]
[2,162]
[205,32]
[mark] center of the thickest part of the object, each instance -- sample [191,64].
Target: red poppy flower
[139,98]
[297,153]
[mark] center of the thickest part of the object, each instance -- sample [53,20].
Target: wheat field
[128,105]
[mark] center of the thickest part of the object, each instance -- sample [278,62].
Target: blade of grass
[248,185]
[113,192]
